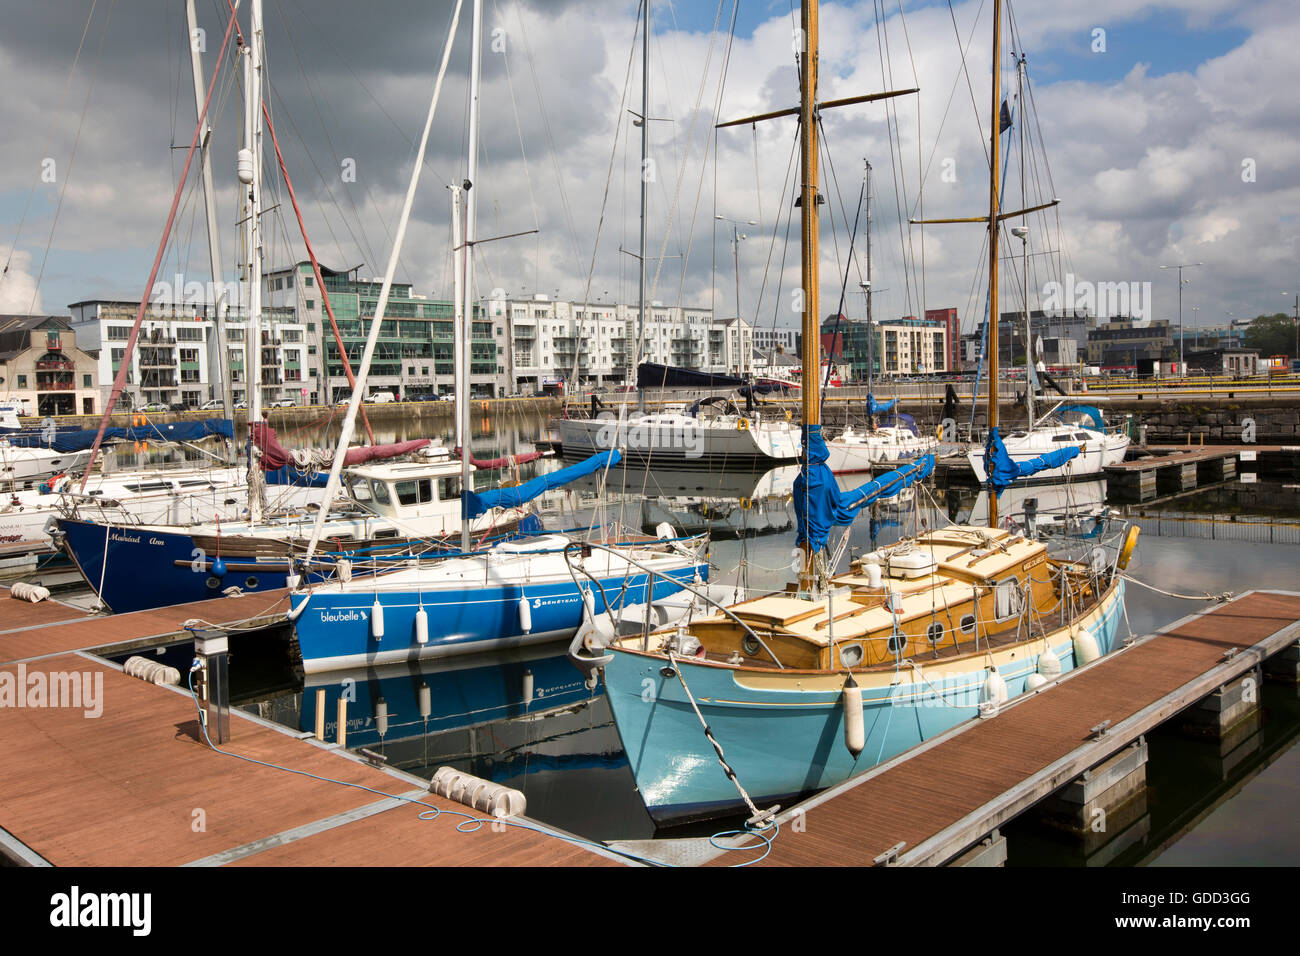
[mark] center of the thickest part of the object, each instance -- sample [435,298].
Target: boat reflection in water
[1073,510]
[402,702]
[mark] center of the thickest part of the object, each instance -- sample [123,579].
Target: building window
[85,381]
[308,281]
[22,381]
[311,303]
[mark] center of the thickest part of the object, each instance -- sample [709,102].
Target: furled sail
[477,503]
[1002,469]
[818,501]
[876,408]
[81,439]
[275,456]
[654,375]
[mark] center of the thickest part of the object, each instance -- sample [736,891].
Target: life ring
[1126,550]
[938,431]
[742,424]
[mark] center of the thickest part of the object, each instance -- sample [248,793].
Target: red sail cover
[275,456]
[491,464]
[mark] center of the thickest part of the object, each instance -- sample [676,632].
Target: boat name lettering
[336,617]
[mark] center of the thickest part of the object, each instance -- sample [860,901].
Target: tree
[1272,335]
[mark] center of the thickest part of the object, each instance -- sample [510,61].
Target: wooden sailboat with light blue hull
[786,727]
[800,689]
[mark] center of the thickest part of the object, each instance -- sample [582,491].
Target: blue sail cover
[1089,411]
[477,503]
[1002,469]
[289,475]
[903,419]
[81,439]
[818,501]
[875,408]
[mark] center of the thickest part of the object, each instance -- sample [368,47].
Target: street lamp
[1182,369]
[736,237]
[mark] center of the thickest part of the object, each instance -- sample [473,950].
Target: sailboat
[716,436]
[388,508]
[1065,424]
[798,690]
[515,593]
[855,451]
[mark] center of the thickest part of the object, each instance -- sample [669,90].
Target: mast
[871,333]
[811,386]
[222,364]
[645,148]
[995,136]
[249,174]
[471,201]
[381,306]
[1031,377]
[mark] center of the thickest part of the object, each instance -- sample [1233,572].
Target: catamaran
[800,689]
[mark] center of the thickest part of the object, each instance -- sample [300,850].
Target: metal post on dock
[212,650]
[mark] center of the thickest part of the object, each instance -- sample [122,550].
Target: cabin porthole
[968,624]
[750,646]
[850,655]
[897,643]
[250,582]
[214,582]
[934,633]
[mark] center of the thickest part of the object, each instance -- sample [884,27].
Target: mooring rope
[1203,596]
[765,817]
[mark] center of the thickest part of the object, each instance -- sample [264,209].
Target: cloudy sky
[1167,131]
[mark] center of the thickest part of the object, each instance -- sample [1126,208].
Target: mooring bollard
[343,722]
[320,714]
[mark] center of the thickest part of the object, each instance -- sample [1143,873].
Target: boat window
[196,483]
[414,491]
[361,489]
[968,624]
[897,642]
[381,492]
[934,633]
[850,655]
[1007,599]
[448,489]
[1062,438]
[1082,436]
[386,533]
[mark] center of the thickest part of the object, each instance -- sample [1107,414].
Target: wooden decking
[940,798]
[135,784]
[35,630]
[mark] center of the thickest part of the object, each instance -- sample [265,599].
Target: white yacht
[1097,446]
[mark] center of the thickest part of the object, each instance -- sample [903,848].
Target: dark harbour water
[1203,807]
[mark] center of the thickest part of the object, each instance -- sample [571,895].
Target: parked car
[381,398]
[214,404]
[447,397]
[154,407]
[241,404]
[281,403]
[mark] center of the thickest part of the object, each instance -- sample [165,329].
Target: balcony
[55,365]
